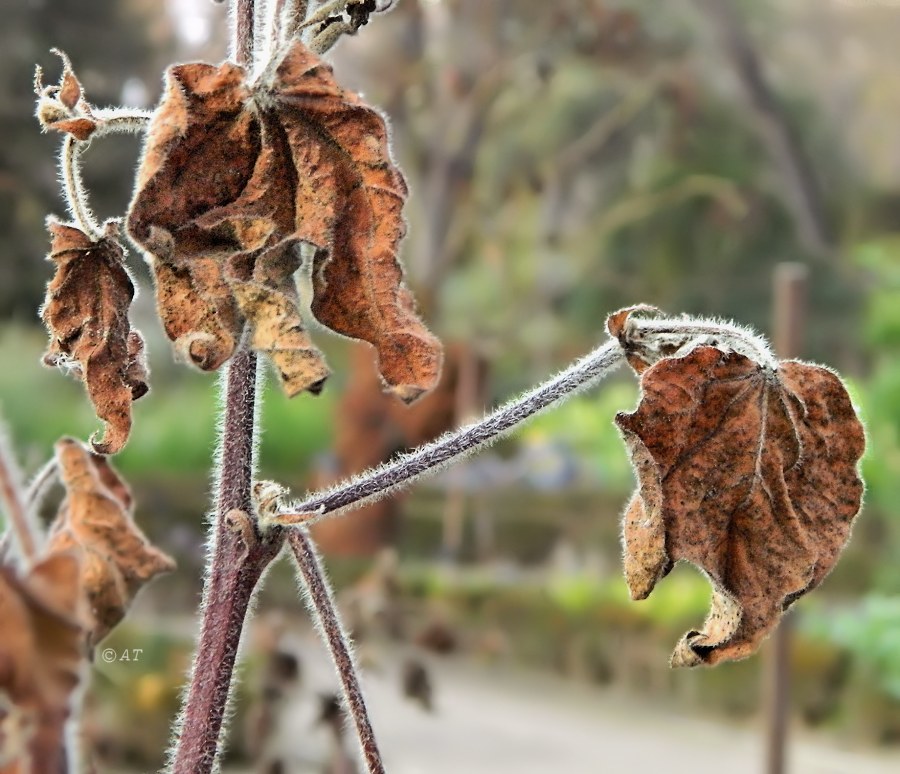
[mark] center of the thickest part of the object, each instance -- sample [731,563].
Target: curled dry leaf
[86,313]
[62,107]
[95,518]
[748,471]
[41,651]
[235,177]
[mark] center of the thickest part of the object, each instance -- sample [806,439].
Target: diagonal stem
[428,460]
[320,600]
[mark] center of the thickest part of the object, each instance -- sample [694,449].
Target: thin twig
[320,600]
[13,500]
[76,198]
[429,459]
[108,121]
[288,18]
[120,121]
[803,188]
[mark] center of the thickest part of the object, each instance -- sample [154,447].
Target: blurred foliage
[843,664]
[585,426]
[870,632]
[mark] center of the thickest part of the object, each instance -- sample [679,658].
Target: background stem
[13,501]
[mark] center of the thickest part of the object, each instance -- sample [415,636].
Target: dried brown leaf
[86,313]
[41,653]
[242,175]
[749,472]
[95,519]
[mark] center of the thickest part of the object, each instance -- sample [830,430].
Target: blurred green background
[565,159]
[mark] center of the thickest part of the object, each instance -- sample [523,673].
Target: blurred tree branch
[803,191]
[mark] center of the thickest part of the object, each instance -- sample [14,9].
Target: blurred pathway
[489,720]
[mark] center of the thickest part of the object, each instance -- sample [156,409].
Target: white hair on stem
[678,336]
[379,482]
[108,121]
[76,197]
[319,598]
[657,338]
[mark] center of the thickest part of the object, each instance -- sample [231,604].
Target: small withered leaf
[62,107]
[41,653]
[96,520]
[242,176]
[749,472]
[86,314]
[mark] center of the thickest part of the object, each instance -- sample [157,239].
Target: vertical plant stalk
[238,554]
[13,501]
[320,600]
[238,559]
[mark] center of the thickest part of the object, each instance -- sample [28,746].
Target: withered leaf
[95,518]
[62,107]
[234,178]
[748,471]
[41,653]
[86,313]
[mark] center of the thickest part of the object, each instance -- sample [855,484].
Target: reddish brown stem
[320,600]
[238,560]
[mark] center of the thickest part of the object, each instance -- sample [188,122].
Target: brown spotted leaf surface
[748,472]
[95,519]
[86,314]
[235,178]
[41,652]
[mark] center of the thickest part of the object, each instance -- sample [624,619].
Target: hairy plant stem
[320,600]
[76,198]
[109,121]
[13,500]
[238,558]
[429,459]
[239,554]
